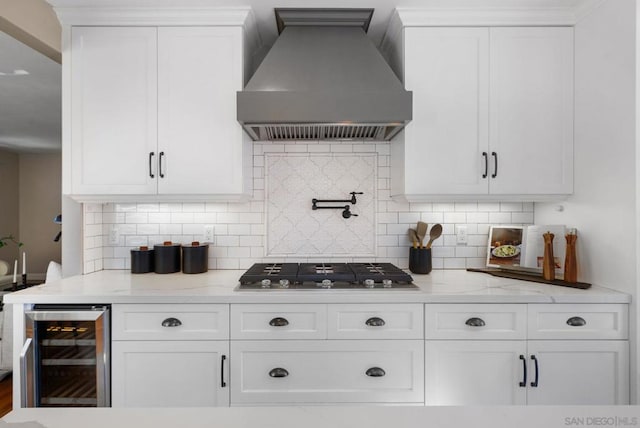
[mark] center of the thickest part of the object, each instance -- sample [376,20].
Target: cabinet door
[169,374]
[113,110]
[594,372]
[472,372]
[447,70]
[531,110]
[200,140]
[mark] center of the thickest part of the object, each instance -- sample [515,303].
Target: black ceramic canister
[167,257]
[195,258]
[420,260]
[142,260]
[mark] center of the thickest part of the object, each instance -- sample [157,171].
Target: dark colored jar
[420,260]
[195,258]
[142,260]
[167,257]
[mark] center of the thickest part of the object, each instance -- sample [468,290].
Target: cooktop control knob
[284,283]
[266,283]
[369,283]
[326,283]
[387,283]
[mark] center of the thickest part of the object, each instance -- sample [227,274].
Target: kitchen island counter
[322,417]
[442,286]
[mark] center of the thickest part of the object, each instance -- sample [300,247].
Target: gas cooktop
[325,276]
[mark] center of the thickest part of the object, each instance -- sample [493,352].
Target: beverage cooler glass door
[65,359]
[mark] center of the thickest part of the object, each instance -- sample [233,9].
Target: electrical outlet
[461,235]
[208,234]
[114,235]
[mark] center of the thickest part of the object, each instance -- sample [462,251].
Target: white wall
[9,204]
[603,206]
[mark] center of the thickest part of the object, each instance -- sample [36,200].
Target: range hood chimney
[323,79]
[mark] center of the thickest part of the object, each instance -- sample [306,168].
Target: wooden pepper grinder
[548,263]
[570,263]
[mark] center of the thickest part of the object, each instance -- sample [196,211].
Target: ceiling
[30,105]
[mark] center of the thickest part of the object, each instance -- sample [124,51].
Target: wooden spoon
[421,231]
[434,234]
[413,237]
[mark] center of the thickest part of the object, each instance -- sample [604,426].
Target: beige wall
[34,23]
[9,202]
[39,202]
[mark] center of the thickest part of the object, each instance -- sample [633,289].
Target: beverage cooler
[65,360]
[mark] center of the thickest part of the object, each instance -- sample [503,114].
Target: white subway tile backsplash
[240,232]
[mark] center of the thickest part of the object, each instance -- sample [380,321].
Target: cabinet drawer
[279,321]
[330,371]
[475,321]
[578,321]
[376,321]
[170,322]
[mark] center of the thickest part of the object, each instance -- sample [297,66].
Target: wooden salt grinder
[548,263]
[570,263]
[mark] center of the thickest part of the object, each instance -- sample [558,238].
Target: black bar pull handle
[495,164]
[523,384]
[279,322]
[160,173]
[278,372]
[375,372]
[535,380]
[486,164]
[151,155]
[222,382]
[576,322]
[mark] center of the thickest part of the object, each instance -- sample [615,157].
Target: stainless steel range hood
[323,79]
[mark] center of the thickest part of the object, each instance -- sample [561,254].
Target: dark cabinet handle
[151,155]
[475,322]
[375,322]
[535,380]
[278,372]
[486,164]
[576,322]
[495,164]
[222,382]
[523,384]
[375,372]
[171,322]
[160,173]
[278,322]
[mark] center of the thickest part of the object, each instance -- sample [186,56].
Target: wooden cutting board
[530,277]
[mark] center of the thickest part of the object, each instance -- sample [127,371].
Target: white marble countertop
[326,417]
[442,286]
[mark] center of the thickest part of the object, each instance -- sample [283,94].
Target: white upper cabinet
[199,138]
[113,109]
[531,110]
[152,110]
[492,113]
[448,70]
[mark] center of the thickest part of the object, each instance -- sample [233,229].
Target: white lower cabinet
[581,372]
[573,360]
[470,372]
[327,372]
[170,355]
[170,373]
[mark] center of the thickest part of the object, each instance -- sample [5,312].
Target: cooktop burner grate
[310,276]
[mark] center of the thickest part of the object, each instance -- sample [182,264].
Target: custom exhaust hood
[323,79]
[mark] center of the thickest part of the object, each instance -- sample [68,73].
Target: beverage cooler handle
[27,392]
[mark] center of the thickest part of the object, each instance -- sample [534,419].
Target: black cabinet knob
[475,322]
[375,372]
[171,322]
[278,322]
[375,322]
